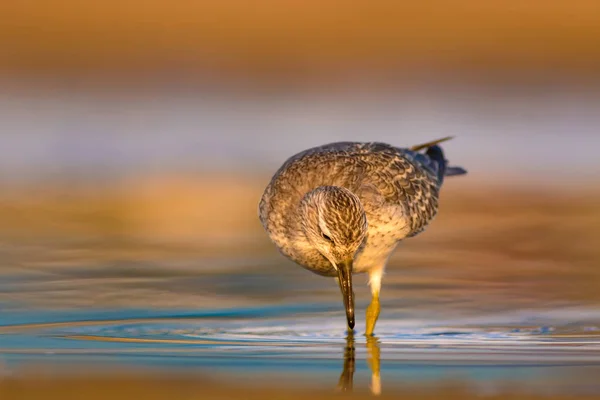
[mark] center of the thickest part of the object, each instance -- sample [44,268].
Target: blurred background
[137,137]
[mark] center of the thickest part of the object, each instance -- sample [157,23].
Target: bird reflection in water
[346,381]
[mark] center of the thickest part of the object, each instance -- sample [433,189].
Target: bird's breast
[384,233]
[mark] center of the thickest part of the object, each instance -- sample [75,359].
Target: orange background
[296,38]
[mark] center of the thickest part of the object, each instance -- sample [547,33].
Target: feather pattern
[397,187]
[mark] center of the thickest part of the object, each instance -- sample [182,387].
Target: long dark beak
[345,278]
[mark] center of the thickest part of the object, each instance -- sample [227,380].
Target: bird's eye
[326,237]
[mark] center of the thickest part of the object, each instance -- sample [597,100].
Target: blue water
[307,344]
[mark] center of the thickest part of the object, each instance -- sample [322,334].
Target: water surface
[542,352]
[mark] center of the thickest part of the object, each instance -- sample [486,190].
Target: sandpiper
[342,208]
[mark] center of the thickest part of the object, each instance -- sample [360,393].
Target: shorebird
[342,208]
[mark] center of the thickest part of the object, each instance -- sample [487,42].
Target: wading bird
[342,208]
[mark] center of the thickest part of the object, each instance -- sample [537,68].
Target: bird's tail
[436,154]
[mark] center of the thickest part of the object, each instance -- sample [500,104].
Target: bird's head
[335,224]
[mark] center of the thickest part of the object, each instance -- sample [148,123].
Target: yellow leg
[372,314]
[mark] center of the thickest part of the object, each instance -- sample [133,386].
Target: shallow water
[546,352]
[500,293]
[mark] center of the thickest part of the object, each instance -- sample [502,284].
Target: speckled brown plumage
[398,188]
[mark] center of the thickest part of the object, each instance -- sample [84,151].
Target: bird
[342,208]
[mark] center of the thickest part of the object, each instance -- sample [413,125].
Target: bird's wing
[401,176]
[406,178]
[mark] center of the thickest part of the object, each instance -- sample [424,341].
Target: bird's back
[382,176]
